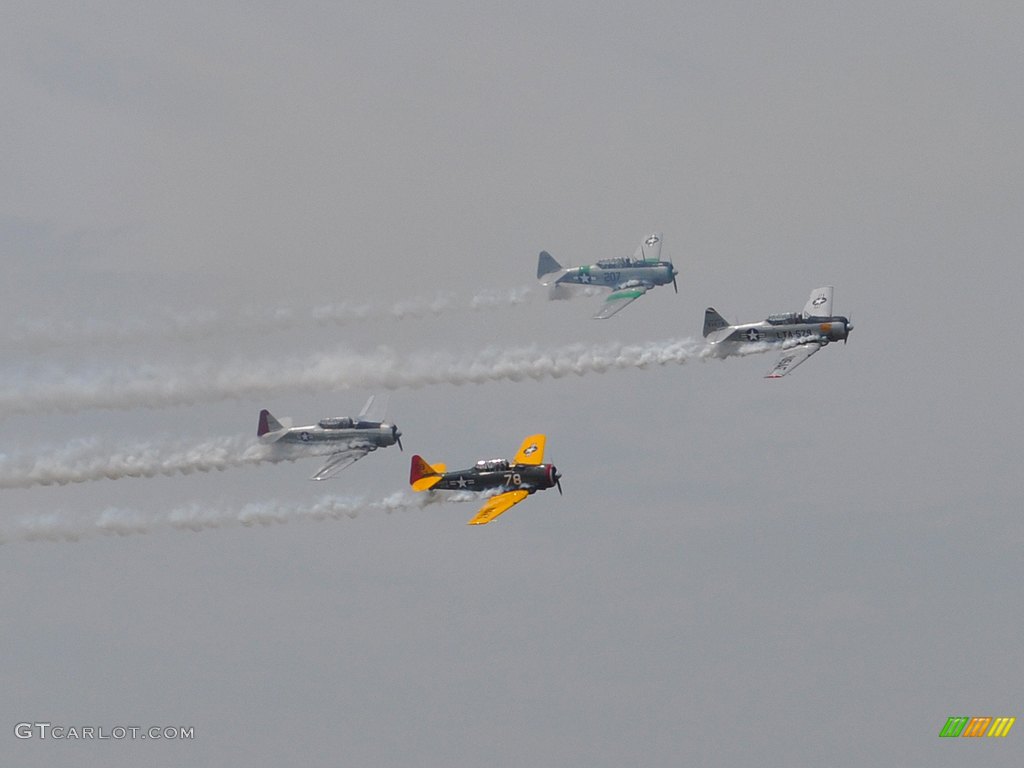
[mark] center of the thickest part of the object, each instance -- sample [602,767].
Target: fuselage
[342,430]
[784,330]
[613,273]
[501,474]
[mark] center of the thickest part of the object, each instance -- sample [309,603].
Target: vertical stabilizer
[267,424]
[547,265]
[423,476]
[713,321]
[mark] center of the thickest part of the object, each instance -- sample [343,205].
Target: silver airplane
[799,335]
[629,278]
[344,438]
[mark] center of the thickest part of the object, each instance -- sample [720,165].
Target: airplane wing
[791,358]
[819,303]
[374,409]
[618,299]
[342,459]
[649,249]
[531,451]
[496,505]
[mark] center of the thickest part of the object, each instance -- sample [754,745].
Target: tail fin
[546,264]
[268,425]
[713,321]
[423,476]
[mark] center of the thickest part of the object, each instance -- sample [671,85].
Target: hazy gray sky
[818,570]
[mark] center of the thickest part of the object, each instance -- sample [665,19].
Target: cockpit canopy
[492,465]
[336,422]
[784,318]
[619,263]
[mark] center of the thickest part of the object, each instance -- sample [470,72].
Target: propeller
[398,436]
[674,273]
[558,481]
[849,327]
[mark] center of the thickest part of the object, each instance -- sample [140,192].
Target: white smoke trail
[723,349]
[158,387]
[84,461]
[53,526]
[41,334]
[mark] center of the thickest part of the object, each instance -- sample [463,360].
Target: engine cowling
[836,329]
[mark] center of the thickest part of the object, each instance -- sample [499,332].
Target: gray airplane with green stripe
[629,278]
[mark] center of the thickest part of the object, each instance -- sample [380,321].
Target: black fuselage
[487,475]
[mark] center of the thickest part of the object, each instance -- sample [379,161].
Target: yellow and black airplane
[514,480]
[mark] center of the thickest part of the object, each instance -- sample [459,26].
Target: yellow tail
[423,476]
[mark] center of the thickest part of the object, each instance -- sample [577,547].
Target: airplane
[345,438]
[629,278]
[514,480]
[799,335]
